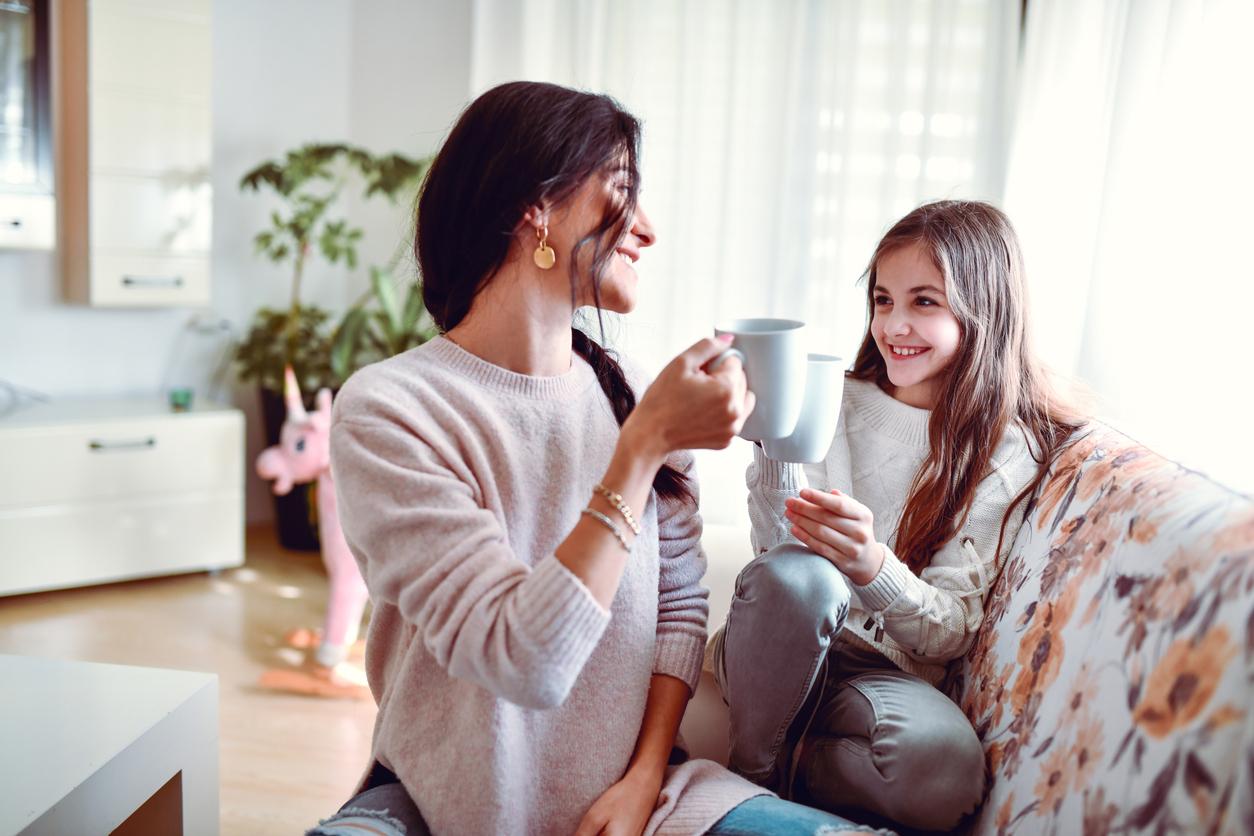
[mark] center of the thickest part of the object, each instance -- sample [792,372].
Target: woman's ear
[536,216]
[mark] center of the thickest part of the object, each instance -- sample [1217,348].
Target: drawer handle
[15,223]
[108,446]
[152,281]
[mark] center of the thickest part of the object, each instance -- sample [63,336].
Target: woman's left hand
[623,809]
[838,527]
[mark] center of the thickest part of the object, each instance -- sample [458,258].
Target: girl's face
[586,209]
[913,326]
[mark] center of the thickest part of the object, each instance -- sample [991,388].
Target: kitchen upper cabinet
[134,137]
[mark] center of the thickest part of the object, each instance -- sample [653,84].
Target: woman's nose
[642,228]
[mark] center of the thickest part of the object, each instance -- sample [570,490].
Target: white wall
[410,79]
[388,74]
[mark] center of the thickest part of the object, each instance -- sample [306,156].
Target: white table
[90,748]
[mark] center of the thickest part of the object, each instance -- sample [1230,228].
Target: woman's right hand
[688,407]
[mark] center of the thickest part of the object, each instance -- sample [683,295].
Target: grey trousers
[828,721]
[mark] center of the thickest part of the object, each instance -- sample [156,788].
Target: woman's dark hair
[516,145]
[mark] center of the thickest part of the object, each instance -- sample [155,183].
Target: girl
[868,582]
[527,529]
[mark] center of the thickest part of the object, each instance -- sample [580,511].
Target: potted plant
[380,324]
[309,182]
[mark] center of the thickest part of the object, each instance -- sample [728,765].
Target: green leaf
[413,309]
[379,344]
[347,343]
[385,292]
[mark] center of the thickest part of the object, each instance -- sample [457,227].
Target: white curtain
[1130,180]
[781,140]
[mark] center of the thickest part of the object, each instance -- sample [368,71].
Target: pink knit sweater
[509,700]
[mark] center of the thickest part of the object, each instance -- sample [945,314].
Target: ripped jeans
[388,811]
[825,719]
[385,809]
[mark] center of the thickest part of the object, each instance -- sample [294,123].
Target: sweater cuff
[780,476]
[680,655]
[562,616]
[886,586]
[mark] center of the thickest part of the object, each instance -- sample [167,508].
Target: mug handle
[729,352]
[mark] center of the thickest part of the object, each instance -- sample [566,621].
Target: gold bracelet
[619,505]
[608,523]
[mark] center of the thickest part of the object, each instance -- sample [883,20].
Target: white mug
[816,426]
[774,356]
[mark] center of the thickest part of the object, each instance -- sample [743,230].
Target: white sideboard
[93,748]
[104,490]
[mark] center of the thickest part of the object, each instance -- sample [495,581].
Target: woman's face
[913,325]
[582,215]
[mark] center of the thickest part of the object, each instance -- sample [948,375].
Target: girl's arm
[771,484]
[935,615]
[628,804]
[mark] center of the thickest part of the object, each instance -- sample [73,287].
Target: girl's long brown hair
[993,381]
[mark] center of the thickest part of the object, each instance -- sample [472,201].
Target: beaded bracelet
[619,505]
[608,523]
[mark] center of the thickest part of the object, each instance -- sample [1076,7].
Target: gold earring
[544,257]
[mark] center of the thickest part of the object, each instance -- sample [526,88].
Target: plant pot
[295,513]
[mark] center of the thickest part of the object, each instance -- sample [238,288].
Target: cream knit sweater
[509,700]
[919,622]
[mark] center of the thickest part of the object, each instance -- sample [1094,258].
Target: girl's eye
[883,300]
[923,302]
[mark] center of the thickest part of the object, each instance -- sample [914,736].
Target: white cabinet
[27,221]
[103,490]
[134,134]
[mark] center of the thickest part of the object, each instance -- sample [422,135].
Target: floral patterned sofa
[1112,682]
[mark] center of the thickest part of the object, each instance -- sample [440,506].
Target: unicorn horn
[291,394]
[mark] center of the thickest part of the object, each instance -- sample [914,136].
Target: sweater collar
[907,424]
[492,376]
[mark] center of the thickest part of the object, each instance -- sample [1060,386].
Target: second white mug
[816,426]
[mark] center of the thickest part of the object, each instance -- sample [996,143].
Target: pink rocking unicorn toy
[303,455]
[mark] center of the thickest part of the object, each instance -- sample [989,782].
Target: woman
[528,531]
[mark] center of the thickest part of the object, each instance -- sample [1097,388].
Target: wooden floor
[286,761]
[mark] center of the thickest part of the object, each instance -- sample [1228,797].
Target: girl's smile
[902,353]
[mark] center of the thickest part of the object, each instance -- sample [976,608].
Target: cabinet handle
[107,446]
[152,281]
[15,223]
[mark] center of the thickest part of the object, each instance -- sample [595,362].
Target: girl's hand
[839,528]
[689,408]
[623,809]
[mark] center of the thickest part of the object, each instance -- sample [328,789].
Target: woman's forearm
[591,551]
[668,697]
